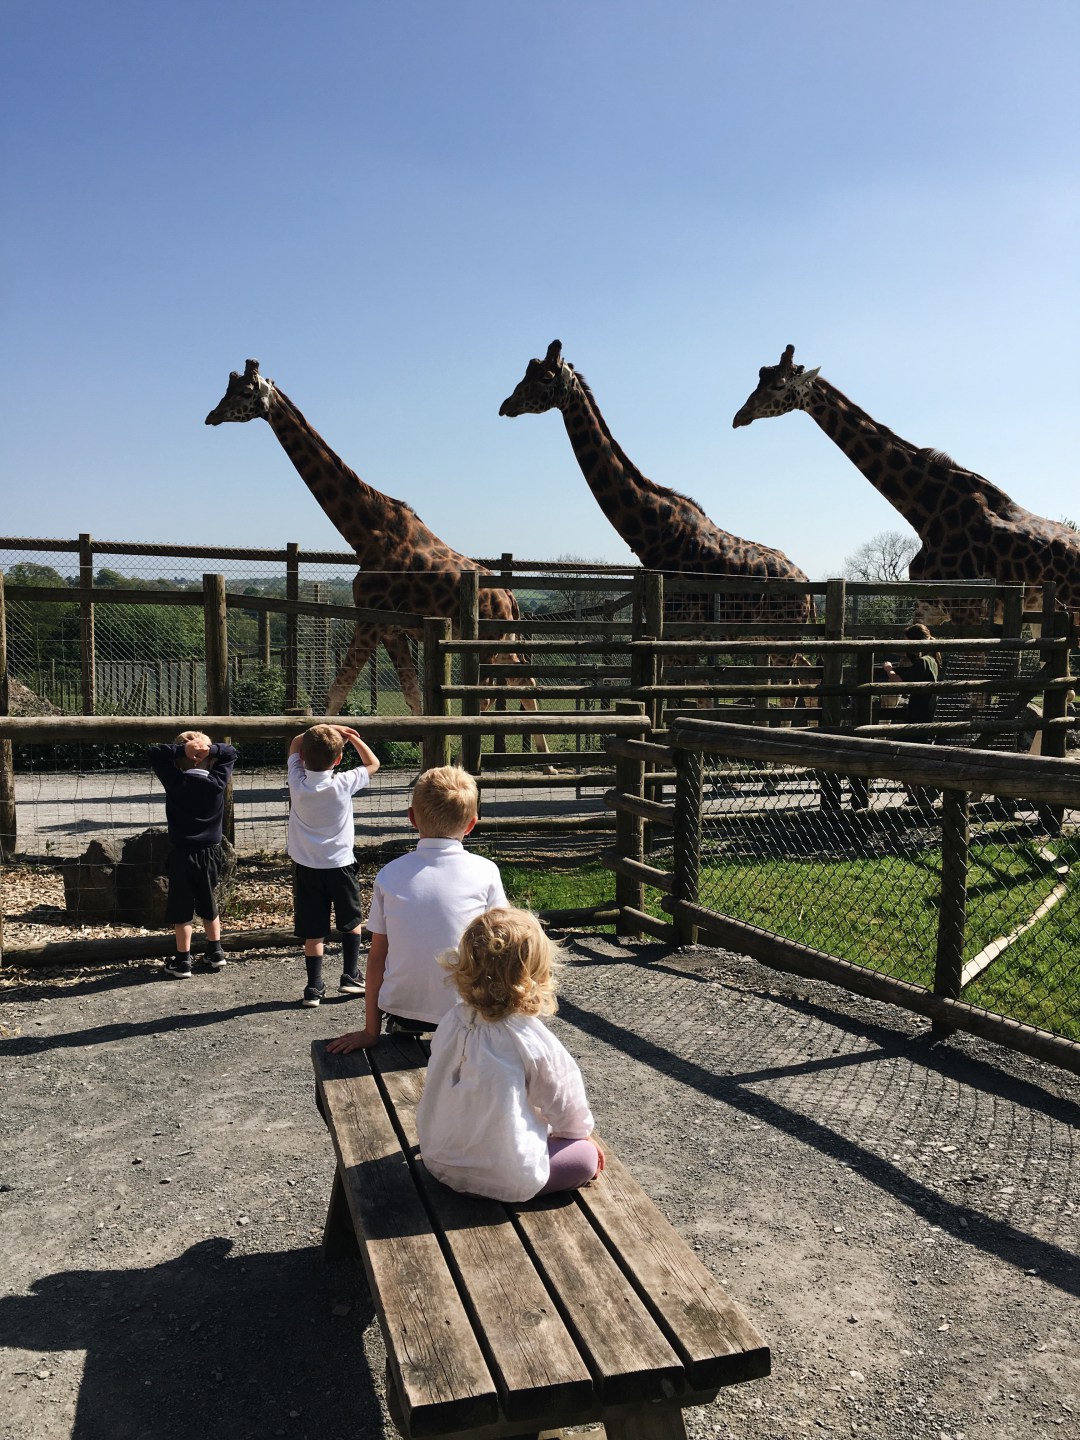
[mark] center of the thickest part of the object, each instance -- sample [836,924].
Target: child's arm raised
[368,758]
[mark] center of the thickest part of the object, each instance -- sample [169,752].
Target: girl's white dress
[495,1090]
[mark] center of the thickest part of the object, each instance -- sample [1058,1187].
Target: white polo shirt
[494,1091]
[422,902]
[320,831]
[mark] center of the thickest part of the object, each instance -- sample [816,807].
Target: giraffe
[410,569]
[665,530]
[970,530]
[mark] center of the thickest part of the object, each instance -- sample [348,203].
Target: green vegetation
[881,913]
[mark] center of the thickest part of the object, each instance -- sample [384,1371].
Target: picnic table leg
[651,1422]
[339,1237]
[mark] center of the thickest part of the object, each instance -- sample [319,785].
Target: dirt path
[900,1220]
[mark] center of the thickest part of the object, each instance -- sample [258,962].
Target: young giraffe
[411,570]
[665,530]
[970,530]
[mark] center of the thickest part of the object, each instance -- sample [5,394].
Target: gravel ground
[899,1219]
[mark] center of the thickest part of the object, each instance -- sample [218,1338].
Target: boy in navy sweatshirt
[194,773]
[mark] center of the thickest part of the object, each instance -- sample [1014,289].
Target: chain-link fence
[952,874]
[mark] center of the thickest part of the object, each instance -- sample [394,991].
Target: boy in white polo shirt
[420,905]
[322,848]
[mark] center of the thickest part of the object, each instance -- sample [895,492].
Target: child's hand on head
[196,750]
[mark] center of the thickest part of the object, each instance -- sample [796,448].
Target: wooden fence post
[1055,623]
[629,831]
[292,627]
[689,769]
[862,714]
[435,749]
[653,625]
[8,828]
[952,918]
[469,623]
[832,674]
[86,625]
[216,630]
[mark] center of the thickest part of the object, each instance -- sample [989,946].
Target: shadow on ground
[210,1345]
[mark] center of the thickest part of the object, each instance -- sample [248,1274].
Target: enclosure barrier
[433,732]
[976,900]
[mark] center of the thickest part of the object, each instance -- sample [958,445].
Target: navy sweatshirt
[194,799]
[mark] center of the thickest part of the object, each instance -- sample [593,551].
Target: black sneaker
[210,964]
[313,994]
[179,967]
[350,985]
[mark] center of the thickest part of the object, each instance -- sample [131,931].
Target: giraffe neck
[918,483]
[665,530]
[358,511]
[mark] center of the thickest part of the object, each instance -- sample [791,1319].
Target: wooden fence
[1051,783]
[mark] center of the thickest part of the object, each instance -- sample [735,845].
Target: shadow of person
[210,1345]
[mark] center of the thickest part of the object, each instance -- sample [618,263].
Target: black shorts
[193,874]
[315,892]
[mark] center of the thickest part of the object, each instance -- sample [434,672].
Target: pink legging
[573,1164]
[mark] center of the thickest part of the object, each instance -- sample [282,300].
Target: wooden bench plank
[538,1371]
[443,1381]
[629,1357]
[715,1340]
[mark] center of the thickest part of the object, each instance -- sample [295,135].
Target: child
[320,844]
[503,1111]
[194,809]
[420,904]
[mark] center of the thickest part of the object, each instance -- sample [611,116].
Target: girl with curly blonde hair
[504,1112]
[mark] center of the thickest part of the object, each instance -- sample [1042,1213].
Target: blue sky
[394,206]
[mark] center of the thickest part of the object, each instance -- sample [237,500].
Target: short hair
[917,632]
[444,800]
[321,747]
[504,964]
[182,761]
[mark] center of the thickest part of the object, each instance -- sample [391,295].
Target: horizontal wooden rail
[597,780]
[43,729]
[1051,781]
[638,870]
[643,750]
[652,810]
[638,920]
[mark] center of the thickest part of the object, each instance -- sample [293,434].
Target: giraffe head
[546,385]
[780,388]
[246,398]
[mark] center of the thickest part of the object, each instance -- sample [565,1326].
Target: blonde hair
[321,747]
[504,964]
[444,800]
[185,736]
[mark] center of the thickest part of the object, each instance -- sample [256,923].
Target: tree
[886,557]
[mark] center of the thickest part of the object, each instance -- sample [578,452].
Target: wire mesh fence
[953,874]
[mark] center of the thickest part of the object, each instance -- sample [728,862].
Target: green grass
[881,913]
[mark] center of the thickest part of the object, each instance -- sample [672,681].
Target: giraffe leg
[397,647]
[539,741]
[360,651]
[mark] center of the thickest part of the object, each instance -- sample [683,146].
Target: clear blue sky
[394,206]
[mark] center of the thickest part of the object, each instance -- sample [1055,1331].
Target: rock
[142,885]
[90,882]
